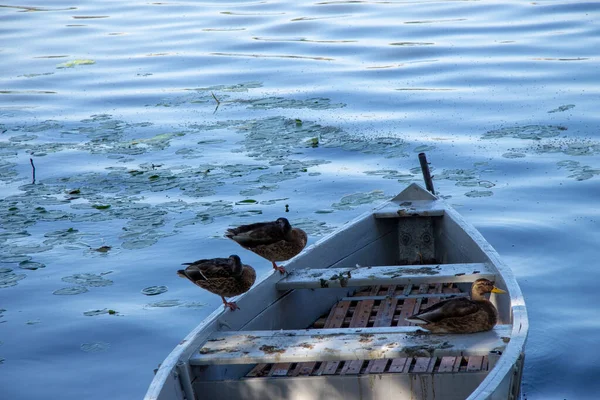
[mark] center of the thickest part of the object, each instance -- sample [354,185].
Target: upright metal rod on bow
[426,174]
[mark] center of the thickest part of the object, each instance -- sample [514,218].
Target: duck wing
[214,268]
[260,233]
[452,308]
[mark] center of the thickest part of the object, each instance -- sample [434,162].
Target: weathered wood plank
[258,370]
[252,347]
[377,366]
[280,369]
[416,241]
[447,364]
[336,317]
[305,369]
[359,319]
[310,278]
[408,309]
[400,365]
[422,364]
[474,363]
[335,320]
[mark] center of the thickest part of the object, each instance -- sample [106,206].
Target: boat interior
[340,314]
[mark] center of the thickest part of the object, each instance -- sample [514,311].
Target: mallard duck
[275,240]
[461,315]
[226,277]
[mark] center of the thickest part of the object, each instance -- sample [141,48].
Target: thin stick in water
[426,174]
[32,171]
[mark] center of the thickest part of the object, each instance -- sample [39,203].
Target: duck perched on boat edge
[461,315]
[274,240]
[226,277]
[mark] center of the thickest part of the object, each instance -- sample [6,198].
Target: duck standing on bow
[274,240]
[226,277]
[461,315]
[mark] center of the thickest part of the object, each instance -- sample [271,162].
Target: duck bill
[499,291]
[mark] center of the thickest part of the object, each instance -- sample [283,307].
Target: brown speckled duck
[226,277]
[275,240]
[461,315]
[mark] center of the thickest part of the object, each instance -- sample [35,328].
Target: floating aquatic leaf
[5,258]
[562,108]
[165,303]
[9,278]
[101,207]
[154,290]
[579,172]
[102,249]
[534,132]
[313,227]
[74,63]
[93,313]
[392,174]
[31,265]
[422,148]
[18,250]
[68,291]
[569,146]
[87,279]
[354,200]
[212,141]
[479,193]
[95,347]
[22,138]
[273,201]
[33,322]
[193,305]
[281,102]
[512,154]
[246,202]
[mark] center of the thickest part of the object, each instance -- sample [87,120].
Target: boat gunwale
[509,358]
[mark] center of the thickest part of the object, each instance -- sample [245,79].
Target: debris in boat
[476,272]
[306,345]
[459,274]
[505,339]
[366,337]
[324,283]
[412,271]
[271,349]
[273,240]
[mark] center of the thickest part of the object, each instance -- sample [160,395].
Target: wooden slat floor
[378,313]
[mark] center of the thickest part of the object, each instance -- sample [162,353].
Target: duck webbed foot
[231,304]
[280,269]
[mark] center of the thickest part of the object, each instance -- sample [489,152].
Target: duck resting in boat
[274,240]
[461,315]
[226,277]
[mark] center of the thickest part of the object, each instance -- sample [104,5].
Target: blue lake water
[155,126]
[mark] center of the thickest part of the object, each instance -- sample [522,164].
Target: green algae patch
[75,63]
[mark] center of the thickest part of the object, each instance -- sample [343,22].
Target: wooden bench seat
[384,275]
[252,347]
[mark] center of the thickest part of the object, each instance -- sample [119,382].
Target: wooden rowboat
[335,327]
